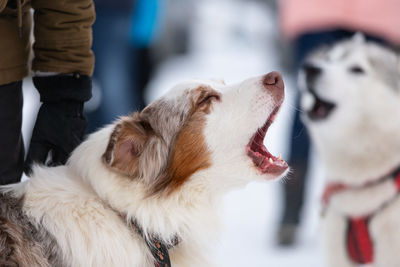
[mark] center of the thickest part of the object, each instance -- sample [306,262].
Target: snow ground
[223,46]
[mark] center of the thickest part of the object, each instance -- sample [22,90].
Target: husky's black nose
[312,72]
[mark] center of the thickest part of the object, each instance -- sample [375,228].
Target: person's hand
[59,128]
[60,124]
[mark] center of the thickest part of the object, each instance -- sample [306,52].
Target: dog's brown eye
[357,70]
[209,98]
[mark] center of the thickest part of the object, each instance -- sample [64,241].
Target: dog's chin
[317,109]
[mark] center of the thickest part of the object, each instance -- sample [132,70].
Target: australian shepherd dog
[143,191]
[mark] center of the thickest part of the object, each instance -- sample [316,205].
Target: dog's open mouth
[262,158]
[321,109]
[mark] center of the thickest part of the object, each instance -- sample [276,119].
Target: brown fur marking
[126,144]
[202,98]
[189,152]
[189,155]
[164,143]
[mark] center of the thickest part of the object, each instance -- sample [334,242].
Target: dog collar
[157,247]
[333,188]
[358,239]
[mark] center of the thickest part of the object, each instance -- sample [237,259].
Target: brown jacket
[62,34]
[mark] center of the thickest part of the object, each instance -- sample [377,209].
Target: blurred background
[144,47]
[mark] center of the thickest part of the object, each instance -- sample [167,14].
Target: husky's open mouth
[318,109]
[262,158]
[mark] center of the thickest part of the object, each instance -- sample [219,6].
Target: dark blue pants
[118,73]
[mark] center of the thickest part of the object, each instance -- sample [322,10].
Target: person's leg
[293,193]
[11,143]
[142,67]
[299,143]
[113,68]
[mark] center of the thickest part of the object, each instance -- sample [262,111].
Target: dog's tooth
[307,101]
[271,160]
[280,157]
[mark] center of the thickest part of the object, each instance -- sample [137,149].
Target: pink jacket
[377,17]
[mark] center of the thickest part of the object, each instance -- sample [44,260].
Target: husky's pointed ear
[358,38]
[126,144]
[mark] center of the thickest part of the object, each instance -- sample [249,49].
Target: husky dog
[142,191]
[351,103]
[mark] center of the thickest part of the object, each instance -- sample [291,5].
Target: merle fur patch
[21,243]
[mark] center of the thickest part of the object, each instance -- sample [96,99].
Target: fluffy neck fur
[177,214]
[86,197]
[366,158]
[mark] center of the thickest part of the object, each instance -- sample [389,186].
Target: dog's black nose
[311,71]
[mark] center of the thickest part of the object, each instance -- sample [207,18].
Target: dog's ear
[358,38]
[126,144]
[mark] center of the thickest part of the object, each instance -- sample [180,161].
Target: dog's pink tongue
[267,163]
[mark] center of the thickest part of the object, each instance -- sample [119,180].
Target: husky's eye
[357,69]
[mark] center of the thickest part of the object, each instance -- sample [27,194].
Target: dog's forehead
[184,89]
[343,52]
[340,52]
[349,51]
[382,60]
[175,105]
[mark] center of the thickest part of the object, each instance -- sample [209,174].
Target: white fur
[76,202]
[359,142]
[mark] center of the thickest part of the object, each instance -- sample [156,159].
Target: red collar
[359,243]
[333,188]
